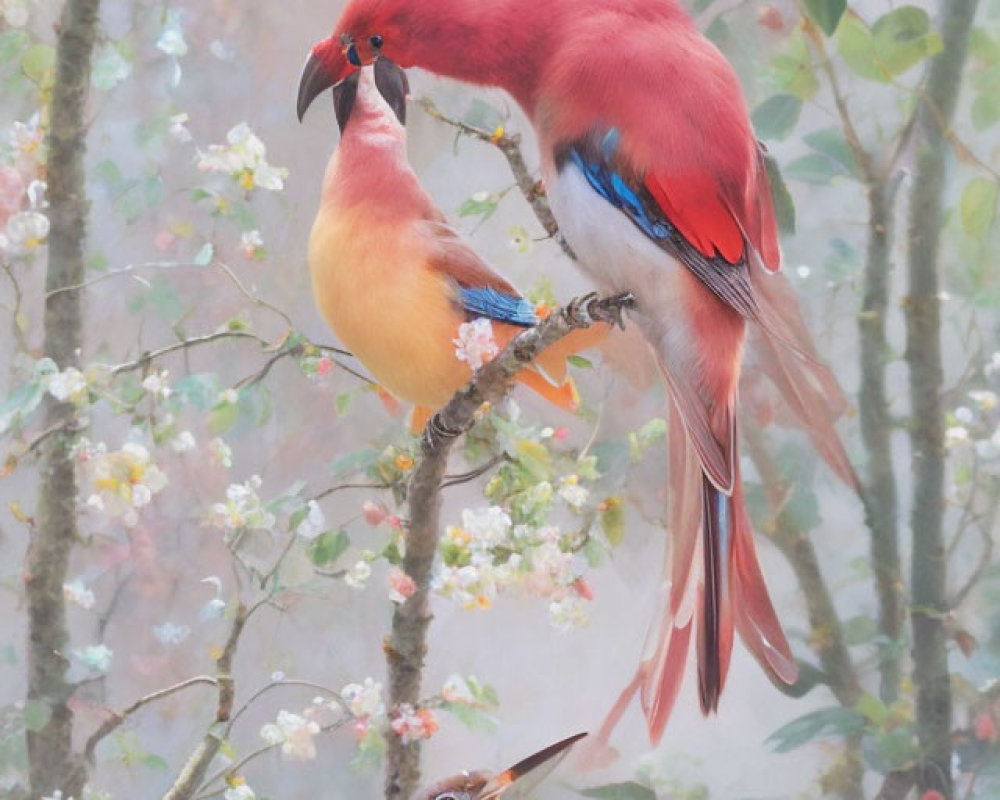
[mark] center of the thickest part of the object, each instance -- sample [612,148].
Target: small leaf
[903,38]
[620,791]
[204,256]
[328,547]
[872,709]
[777,116]
[580,361]
[826,13]
[814,168]
[822,723]
[39,64]
[613,521]
[784,205]
[222,418]
[979,207]
[475,719]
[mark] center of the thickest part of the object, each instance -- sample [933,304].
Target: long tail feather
[808,387]
[715,622]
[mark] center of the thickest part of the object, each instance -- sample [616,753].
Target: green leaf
[343,403]
[814,168]
[777,116]
[155,762]
[872,709]
[204,256]
[580,361]
[903,38]
[861,629]
[482,204]
[978,207]
[826,13]
[198,391]
[39,64]
[613,521]
[857,48]
[475,719]
[20,403]
[792,71]
[328,547]
[784,205]
[831,143]
[986,110]
[825,722]
[620,791]
[222,418]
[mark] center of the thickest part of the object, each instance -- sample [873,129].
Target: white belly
[620,258]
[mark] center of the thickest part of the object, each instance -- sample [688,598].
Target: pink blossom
[410,725]
[475,344]
[324,366]
[395,522]
[401,586]
[373,512]
[986,727]
[561,433]
[164,240]
[11,193]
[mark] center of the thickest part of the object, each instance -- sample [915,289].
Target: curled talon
[611,309]
[577,313]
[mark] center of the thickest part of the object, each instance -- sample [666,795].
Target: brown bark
[923,323]
[52,763]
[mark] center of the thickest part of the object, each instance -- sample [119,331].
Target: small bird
[511,784]
[395,281]
[659,185]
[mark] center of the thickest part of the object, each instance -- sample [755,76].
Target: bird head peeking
[383,77]
[367,30]
[511,784]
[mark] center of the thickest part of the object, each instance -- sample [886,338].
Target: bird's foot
[585,311]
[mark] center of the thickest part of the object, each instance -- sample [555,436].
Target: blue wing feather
[495,305]
[596,161]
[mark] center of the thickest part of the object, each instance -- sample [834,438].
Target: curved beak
[326,67]
[519,780]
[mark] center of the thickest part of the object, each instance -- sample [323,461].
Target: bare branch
[118,718]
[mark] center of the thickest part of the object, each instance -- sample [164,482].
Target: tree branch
[52,764]
[532,189]
[406,645]
[929,602]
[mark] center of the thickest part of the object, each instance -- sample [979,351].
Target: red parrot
[659,185]
[394,280]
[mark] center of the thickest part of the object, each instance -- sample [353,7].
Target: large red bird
[658,183]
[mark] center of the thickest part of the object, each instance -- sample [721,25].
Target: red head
[366,30]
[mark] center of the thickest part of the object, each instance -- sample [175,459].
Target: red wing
[717,222]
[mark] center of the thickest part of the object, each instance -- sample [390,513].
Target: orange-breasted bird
[394,280]
[512,783]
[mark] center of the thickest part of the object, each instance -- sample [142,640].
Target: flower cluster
[488,553]
[364,701]
[242,509]
[77,593]
[475,344]
[411,724]
[244,159]
[974,427]
[295,733]
[123,481]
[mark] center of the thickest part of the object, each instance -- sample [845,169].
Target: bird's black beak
[315,80]
[527,774]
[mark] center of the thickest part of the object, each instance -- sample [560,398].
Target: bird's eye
[377,41]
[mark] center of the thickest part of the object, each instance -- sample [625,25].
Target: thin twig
[118,718]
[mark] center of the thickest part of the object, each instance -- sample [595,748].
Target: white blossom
[169,633]
[358,575]
[294,733]
[68,386]
[221,453]
[313,524]
[96,657]
[23,233]
[475,344]
[76,592]
[244,158]
[240,792]
[178,130]
[243,508]
[123,481]
[364,700]
[183,442]
[171,40]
